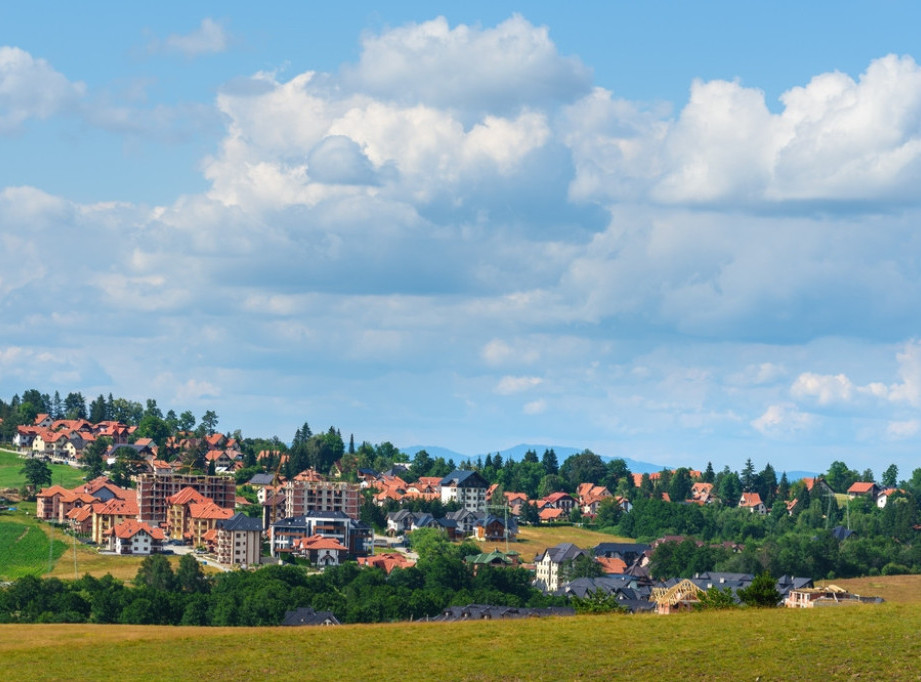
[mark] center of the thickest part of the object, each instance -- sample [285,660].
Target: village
[316,520]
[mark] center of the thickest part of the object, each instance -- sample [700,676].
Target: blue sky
[677,232]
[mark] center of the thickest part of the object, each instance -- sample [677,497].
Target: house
[549,514]
[203,517]
[515,502]
[863,489]
[239,540]
[133,537]
[107,515]
[320,551]
[467,488]
[628,552]
[307,616]
[494,528]
[562,501]
[354,535]
[386,562]
[590,496]
[752,502]
[818,486]
[495,559]
[882,499]
[400,522]
[553,565]
[466,520]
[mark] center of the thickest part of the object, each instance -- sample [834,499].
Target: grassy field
[61,474]
[535,539]
[869,642]
[24,551]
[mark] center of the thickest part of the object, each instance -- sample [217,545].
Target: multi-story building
[308,492]
[467,488]
[354,535]
[239,541]
[153,491]
[553,566]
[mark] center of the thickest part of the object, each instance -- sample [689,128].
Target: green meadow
[865,642]
[61,474]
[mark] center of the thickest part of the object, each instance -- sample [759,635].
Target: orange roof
[188,495]
[309,475]
[319,542]
[52,491]
[131,527]
[551,514]
[388,561]
[117,507]
[209,510]
[612,565]
[861,488]
[750,500]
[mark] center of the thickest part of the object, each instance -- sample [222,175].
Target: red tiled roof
[131,527]
[860,488]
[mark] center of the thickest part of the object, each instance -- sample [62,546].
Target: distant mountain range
[517,453]
[562,452]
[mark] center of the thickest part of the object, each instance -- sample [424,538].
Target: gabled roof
[750,500]
[462,478]
[240,522]
[131,527]
[316,542]
[208,510]
[565,551]
[188,495]
[862,488]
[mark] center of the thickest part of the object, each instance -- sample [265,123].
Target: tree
[747,477]
[890,476]
[708,474]
[209,422]
[189,575]
[155,572]
[549,461]
[586,467]
[716,599]
[98,410]
[75,406]
[186,421]
[679,489]
[585,566]
[36,473]
[762,593]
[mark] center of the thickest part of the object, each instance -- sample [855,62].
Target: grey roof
[240,522]
[262,479]
[565,551]
[840,533]
[463,478]
[488,612]
[307,616]
[628,551]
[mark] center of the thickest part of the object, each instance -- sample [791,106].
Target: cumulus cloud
[835,140]
[830,390]
[31,88]
[782,419]
[535,407]
[511,65]
[209,38]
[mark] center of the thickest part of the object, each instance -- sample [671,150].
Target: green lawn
[24,547]
[61,474]
[863,643]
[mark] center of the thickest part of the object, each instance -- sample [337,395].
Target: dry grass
[870,642]
[535,539]
[901,589]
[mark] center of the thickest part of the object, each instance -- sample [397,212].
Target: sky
[676,232]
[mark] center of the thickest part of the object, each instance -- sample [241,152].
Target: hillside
[829,644]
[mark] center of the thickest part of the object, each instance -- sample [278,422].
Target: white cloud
[509,384]
[901,430]
[464,67]
[782,419]
[909,390]
[209,38]
[31,88]
[535,407]
[836,139]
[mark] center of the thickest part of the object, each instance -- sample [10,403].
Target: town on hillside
[703,539]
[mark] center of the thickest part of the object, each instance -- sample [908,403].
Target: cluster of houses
[64,441]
